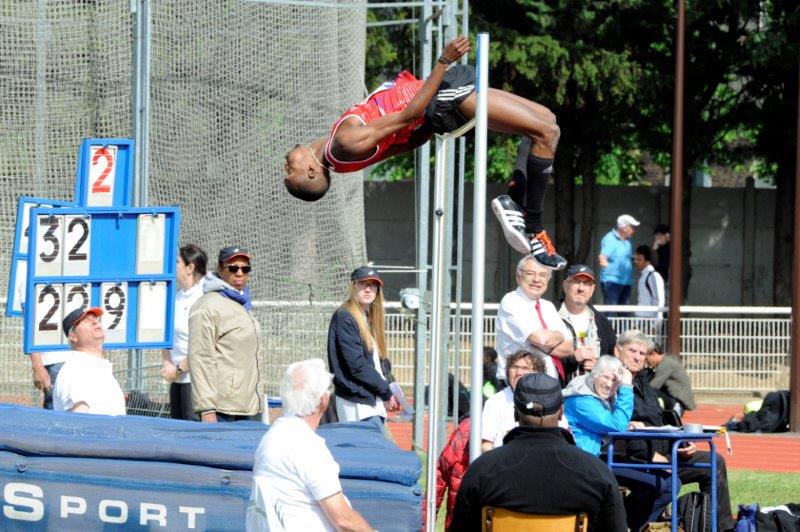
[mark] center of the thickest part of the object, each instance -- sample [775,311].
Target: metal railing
[735,350]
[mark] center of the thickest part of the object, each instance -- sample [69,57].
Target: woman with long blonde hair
[357,351]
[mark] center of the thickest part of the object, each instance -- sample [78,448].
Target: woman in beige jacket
[224,343]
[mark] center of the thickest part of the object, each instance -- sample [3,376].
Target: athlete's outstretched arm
[356,141]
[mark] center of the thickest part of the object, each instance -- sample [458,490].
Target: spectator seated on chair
[601,402]
[539,470]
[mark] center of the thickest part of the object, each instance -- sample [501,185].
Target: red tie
[556,360]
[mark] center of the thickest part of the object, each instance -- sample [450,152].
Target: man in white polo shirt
[526,322]
[86,382]
[295,478]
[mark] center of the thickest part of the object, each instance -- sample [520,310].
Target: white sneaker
[512,220]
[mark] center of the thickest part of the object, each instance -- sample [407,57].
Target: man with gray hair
[295,478]
[526,322]
[632,349]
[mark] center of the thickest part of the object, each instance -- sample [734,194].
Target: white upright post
[478,248]
[437,322]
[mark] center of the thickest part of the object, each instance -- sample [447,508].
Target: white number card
[114,302]
[77,242]
[150,243]
[49,244]
[48,313]
[152,313]
[102,176]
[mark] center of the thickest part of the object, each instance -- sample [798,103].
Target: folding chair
[502,520]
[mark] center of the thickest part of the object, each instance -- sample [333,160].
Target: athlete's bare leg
[522,219]
[509,113]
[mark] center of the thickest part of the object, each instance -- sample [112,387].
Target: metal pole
[459,266]
[423,202]
[140,118]
[447,32]
[40,99]
[437,321]
[478,244]
[676,195]
[794,375]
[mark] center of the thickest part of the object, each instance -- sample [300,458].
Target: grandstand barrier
[731,350]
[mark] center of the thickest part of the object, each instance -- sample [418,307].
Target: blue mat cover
[81,472]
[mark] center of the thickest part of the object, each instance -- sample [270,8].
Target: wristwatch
[178,369]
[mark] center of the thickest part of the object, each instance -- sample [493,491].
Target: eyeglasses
[544,276]
[582,282]
[521,369]
[235,269]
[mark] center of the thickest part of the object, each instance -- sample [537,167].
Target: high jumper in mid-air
[406,112]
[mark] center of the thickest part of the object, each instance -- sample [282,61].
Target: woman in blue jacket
[601,402]
[357,351]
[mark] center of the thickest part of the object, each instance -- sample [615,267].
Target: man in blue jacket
[616,253]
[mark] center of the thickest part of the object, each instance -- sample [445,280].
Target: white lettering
[105,504]
[152,512]
[35,507]
[191,512]
[72,505]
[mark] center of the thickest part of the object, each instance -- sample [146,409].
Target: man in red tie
[525,321]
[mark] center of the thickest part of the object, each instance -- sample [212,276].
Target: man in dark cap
[86,382]
[539,470]
[592,332]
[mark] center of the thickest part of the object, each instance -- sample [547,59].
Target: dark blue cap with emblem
[366,273]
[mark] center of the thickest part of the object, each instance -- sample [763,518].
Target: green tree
[770,84]
[575,58]
[718,36]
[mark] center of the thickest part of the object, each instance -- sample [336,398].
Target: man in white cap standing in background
[616,269]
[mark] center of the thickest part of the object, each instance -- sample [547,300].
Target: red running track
[761,452]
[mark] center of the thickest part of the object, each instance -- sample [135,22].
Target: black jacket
[646,409]
[606,333]
[539,470]
[354,375]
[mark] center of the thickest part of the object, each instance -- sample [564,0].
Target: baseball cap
[77,315]
[227,253]
[661,229]
[580,270]
[537,394]
[625,220]
[366,273]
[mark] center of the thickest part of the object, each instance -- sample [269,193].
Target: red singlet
[390,97]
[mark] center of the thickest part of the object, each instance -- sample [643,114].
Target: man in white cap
[86,382]
[616,269]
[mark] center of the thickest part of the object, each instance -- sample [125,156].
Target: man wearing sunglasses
[224,343]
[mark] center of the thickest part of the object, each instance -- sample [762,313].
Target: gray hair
[605,363]
[635,336]
[303,385]
[522,262]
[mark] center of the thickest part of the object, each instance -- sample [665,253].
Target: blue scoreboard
[100,252]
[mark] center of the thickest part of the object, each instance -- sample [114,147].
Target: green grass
[747,487]
[765,488]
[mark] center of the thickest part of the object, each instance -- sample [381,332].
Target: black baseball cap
[661,229]
[227,253]
[581,270]
[74,317]
[366,273]
[537,394]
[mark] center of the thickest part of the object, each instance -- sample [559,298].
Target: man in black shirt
[538,470]
[647,412]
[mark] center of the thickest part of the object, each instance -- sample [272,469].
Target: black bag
[694,512]
[773,416]
[779,520]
